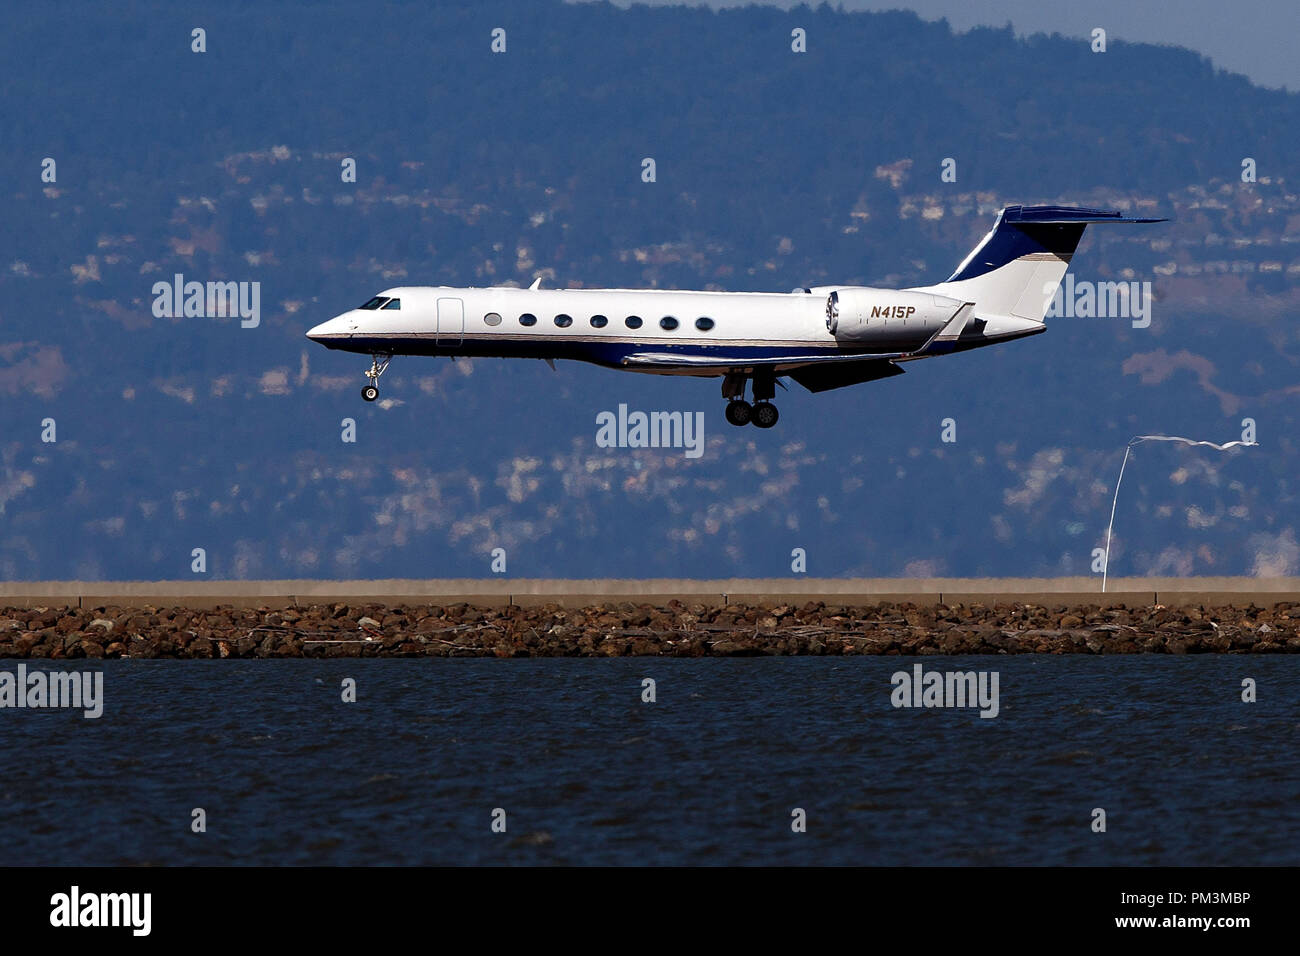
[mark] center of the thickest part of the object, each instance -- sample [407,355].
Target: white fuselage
[710,332]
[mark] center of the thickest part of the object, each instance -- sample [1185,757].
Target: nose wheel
[378,366]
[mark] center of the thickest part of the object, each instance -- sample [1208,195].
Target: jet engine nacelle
[861,313]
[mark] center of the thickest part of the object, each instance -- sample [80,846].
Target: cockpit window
[375,303]
[393,304]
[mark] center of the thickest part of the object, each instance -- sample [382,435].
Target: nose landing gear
[378,366]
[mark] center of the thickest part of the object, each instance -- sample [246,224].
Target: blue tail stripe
[1025,230]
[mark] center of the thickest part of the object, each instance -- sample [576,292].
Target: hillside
[774,170]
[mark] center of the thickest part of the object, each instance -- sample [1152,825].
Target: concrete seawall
[658,623]
[498,592]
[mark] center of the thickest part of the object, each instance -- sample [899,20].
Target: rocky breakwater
[619,630]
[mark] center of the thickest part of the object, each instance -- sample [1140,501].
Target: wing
[822,378]
[722,362]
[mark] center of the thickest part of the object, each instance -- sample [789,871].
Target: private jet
[823,338]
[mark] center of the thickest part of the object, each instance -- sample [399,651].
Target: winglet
[537,283]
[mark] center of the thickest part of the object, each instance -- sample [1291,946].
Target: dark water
[587,773]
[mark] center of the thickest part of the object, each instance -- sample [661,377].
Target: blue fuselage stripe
[610,354]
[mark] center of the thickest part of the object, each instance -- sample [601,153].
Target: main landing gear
[378,366]
[740,412]
[761,414]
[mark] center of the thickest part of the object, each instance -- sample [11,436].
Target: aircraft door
[451,322]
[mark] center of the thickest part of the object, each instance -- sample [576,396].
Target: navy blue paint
[1025,230]
[610,354]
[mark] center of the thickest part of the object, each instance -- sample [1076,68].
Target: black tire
[765,415]
[739,411]
[370,393]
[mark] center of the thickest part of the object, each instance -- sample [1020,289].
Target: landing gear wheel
[739,411]
[378,366]
[765,414]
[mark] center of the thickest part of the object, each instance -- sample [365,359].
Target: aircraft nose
[335,328]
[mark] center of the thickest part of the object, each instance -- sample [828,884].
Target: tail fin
[1017,267]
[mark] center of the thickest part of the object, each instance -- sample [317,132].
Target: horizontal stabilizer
[1067,214]
[1034,231]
